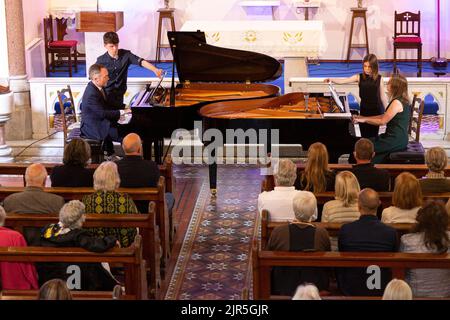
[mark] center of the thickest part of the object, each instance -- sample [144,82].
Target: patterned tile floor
[213,262]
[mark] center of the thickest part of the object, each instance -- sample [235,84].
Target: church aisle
[214,258]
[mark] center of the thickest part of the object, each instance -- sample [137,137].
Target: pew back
[264,261]
[145,222]
[156,195]
[131,258]
[418,170]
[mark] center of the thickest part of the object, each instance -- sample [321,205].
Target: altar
[291,41]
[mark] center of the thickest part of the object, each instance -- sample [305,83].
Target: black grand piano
[207,74]
[299,118]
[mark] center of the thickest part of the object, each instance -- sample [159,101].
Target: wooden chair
[407,35]
[71,124]
[415,152]
[62,48]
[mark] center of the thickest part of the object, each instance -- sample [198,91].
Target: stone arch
[433,118]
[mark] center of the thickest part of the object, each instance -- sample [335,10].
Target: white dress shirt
[279,203]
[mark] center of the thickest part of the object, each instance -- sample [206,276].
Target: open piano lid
[198,61]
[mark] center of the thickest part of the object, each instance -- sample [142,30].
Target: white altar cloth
[278,39]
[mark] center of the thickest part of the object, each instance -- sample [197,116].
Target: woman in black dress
[371,92]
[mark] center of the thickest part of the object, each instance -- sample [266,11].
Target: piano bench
[414,154]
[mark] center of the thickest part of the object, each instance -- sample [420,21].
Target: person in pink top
[15,275]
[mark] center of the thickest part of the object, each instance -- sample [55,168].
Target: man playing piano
[117,62]
[98,118]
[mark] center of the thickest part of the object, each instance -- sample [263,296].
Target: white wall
[34,12]
[140,30]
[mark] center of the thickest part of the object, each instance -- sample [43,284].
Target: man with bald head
[368,234]
[135,172]
[34,200]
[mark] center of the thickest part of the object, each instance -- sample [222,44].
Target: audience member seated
[435,180]
[406,200]
[135,172]
[345,207]
[74,172]
[68,232]
[368,234]
[429,235]
[307,292]
[300,235]
[397,290]
[33,200]
[106,200]
[279,201]
[368,176]
[15,275]
[55,289]
[317,177]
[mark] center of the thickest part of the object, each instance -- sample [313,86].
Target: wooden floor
[188,182]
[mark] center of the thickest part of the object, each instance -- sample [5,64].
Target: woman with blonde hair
[435,180]
[317,177]
[396,119]
[106,200]
[397,290]
[406,200]
[345,207]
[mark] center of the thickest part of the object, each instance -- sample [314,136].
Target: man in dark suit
[368,234]
[368,176]
[135,172]
[98,120]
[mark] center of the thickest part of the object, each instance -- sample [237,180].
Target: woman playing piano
[371,92]
[396,119]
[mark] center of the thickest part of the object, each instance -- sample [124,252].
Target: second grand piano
[298,118]
[207,74]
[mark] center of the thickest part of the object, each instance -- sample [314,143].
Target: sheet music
[357,130]
[125,119]
[336,98]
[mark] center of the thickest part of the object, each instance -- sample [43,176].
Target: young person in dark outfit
[371,92]
[117,62]
[396,118]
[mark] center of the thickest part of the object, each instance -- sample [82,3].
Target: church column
[20,126]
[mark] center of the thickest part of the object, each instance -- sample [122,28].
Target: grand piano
[299,118]
[206,74]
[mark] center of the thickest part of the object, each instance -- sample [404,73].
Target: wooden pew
[267,227]
[18,169]
[130,258]
[418,170]
[76,295]
[385,197]
[263,261]
[145,222]
[157,195]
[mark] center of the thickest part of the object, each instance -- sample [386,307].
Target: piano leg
[212,161]
[213,178]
